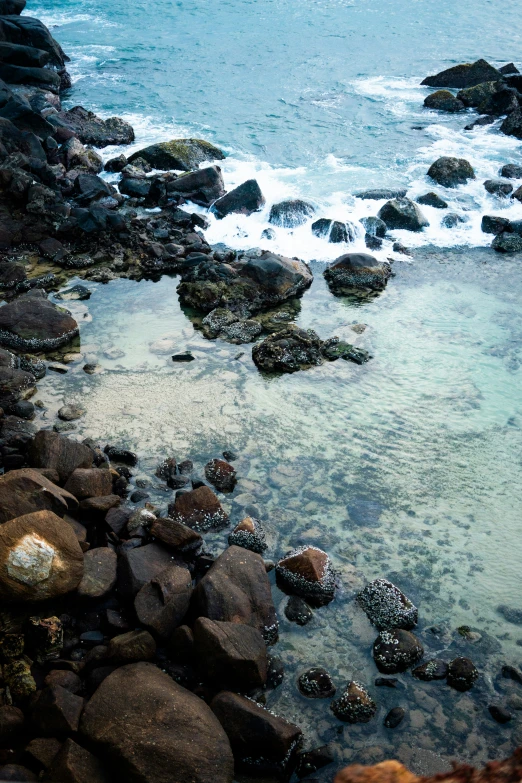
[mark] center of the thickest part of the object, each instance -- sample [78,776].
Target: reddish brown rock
[99,573]
[230,655]
[221,474]
[137,567]
[175,535]
[199,509]
[236,589]
[155,731]
[40,558]
[57,711]
[307,572]
[27,490]
[51,450]
[162,604]
[131,647]
[74,764]
[385,772]
[89,483]
[11,721]
[94,509]
[42,750]
[68,680]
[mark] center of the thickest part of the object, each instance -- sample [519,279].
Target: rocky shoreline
[127,650]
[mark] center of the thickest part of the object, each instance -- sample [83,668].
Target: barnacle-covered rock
[386,606]
[357,270]
[249,534]
[462,674]
[289,350]
[316,683]
[221,474]
[307,572]
[396,650]
[355,705]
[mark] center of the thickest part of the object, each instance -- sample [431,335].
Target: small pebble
[500,714]
[183,357]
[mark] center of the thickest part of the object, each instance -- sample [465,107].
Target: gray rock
[451,172]
[386,606]
[403,213]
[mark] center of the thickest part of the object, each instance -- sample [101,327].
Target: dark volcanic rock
[394,717]
[307,572]
[465,75]
[396,650]
[298,611]
[231,655]
[355,705]
[260,740]
[431,670]
[450,172]
[249,534]
[289,350]
[492,224]
[512,125]
[178,154]
[51,450]
[507,242]
[146,724]
[462,674]
[403,213]
[32,323]
[27,490]
[374,226]
[432,200]
[316,684]
[203,186]
[91,129]
[137,567]
[498,187]
[162,604]
[221,474]
[511,171]
[479,94]
[290,213]
[443,100]
[386,606]
[245,199]
[236,589]
[357,270]
[199,509]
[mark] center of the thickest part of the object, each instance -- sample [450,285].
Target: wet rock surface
[386,606]
[357,270]
[355,705]
[396,650]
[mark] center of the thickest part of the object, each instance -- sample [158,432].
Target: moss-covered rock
[179,154]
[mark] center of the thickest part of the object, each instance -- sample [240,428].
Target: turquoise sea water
[408,467]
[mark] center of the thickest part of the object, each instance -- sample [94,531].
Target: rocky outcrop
[40,558]
[465,75]
[357,270]
[32,323]
[451,172]
[155,731]
[444,100]
[178,154]
[90,129]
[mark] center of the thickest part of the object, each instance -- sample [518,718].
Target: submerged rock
[431,670]
[403,213]
[33,323]
[221,474]
[451,172]
[374,226]
[462,674]
[178,154]
[289,350]
[444,100]
[386,606]
[249,534]
[245,199]
[376,194]
[355,705]
[357,270]
[396,650]
[316,684]
[465,75]
[334,349]
[298,611]
[290,213]
[453,219]
[394,717]
[307,572]
[199,509]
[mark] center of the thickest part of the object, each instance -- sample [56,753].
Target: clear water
[408,467]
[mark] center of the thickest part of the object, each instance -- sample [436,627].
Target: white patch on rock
[30,562]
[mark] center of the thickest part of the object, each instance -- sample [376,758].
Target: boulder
[236,589]
[316,683]
[498,187]
[507,242]
[450,172]
[155,731]
[175,535]
[511,171]
[136,567]
[230,655]
[40,558]
[518,195]
[378,194]
[28,31]
[386,606]
[178,154]
[57,452]
[15,386]
[403,213]
[199,509]
[431,670]
[57,711]
[492,224]
[480,93]
[25,491]
[203,186]
[89,187]
[291,213]
[444,100]
[261,741]
[245,199]
[465,75]
[432,200]
[462,674]
[11,722]
[249,534]
[357,270]
[91,129]
[504,100]
[163,602]
[79,157]
[42,750]
[221,474]
[74,764]
[307,572]
[298,611]
[99,573]
[131,647]
[89,483]
[31,323]
[396,650]
[512,125]
[355,705]
[38,77]
[95,509]
[288,350]
[374,226]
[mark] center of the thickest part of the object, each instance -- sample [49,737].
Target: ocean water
[407,467]
[314,99]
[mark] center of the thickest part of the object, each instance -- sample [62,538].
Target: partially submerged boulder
[249,534]
[289,350]
[451,172]
[245,199]
[203,186]
[290,213]
[199,509]
[178,154]
[465,75]
[307,572]
[40,558]
[357,270]
[403,213]
[33,323]
[395,650]
[155,731]
[386,606]
[444,100]
[355,705]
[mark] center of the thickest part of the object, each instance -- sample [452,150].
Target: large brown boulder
[32,323]
[155,731]
[89,483]
[25,491]
[260,740]
[230,655]
[40,558]
[163,602]
[99,573]
[175,535]
[74,764]
[199,509]
[51,450]
[136,567]
[236,589]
